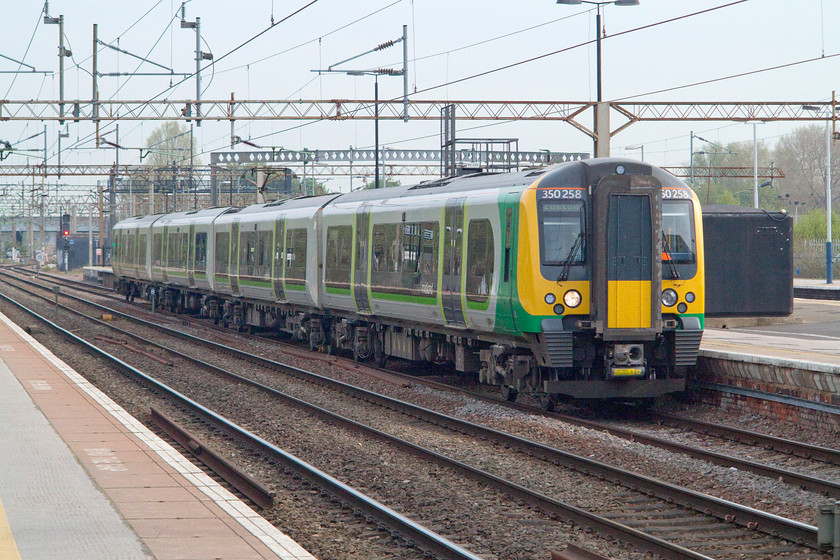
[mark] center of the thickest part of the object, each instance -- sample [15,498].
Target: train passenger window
[678,232]
[337,265]
[141,249]
[420,243]
[386,258]
[126,248]
[183,249]
[561,232]
[222,252]
[296,255]
[157,249]
[480,260]
[247,253]
[200,252]
[264,253]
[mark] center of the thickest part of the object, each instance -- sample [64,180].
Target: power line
[274,24]
[546,55]
[731,76]
[309,42]
[37,24]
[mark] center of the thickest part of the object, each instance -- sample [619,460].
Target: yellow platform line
[8,548]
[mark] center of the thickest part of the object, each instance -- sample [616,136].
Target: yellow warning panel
[629,304]
[8,548]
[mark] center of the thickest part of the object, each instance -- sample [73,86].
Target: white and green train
[581,280]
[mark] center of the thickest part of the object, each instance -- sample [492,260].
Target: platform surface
[82,479]
[810,336]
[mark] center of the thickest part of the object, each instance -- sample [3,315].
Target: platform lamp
[829,256]
[598,27]
[639,147]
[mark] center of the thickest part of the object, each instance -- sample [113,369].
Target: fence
[809,258]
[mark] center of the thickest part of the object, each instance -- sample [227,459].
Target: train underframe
[549,366]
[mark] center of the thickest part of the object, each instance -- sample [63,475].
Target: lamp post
[639,147]
[829,257]
[598,27]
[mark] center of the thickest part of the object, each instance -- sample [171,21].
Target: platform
[794,362]
[81,478]
[100,275]
[815,289]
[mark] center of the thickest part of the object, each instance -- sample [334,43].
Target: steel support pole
[376,129]
[198,71]
[598,49]
[95,91]
[61,67]
[829,257]
[405,72]
[755,166]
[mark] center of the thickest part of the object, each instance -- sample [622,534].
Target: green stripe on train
[422,300]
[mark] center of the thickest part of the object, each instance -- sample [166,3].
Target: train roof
[587,172]
[574,173]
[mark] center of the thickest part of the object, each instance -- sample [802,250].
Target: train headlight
[682,308]
[550,299]
[558,309]
[669,297]
[572,298]
[689,297]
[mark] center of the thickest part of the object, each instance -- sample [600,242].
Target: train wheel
[547,402]
[509,393]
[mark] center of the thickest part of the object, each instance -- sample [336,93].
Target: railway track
[633,509]
[815,470]
[398,525]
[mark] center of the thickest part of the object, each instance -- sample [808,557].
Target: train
[581,280]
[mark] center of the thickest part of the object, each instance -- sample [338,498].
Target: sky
[447,41]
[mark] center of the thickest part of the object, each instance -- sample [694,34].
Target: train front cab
[600,246]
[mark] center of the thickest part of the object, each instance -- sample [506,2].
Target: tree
[801,155]
[731,190]
[813,226]
[168,143]
[385,183]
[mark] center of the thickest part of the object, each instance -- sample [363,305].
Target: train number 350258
[673,194]
[561,194]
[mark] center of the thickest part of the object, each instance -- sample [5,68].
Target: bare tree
[801,155]
[169,144]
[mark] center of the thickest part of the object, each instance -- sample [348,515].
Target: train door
[453,243]
[361,259]
[279,258]
[627,275]
[234,257]
[191,256]
[507,286]
[164,254]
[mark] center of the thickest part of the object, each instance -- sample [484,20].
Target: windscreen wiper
[675,274]
[567,264]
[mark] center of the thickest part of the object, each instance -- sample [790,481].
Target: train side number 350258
[561,194]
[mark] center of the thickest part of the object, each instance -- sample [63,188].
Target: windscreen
[561,232]
[678,243]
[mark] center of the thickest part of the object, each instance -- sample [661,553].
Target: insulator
[385,45]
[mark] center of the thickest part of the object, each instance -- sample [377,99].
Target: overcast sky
[448,40]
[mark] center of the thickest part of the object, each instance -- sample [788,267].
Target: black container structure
[71,251]
[749,262]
